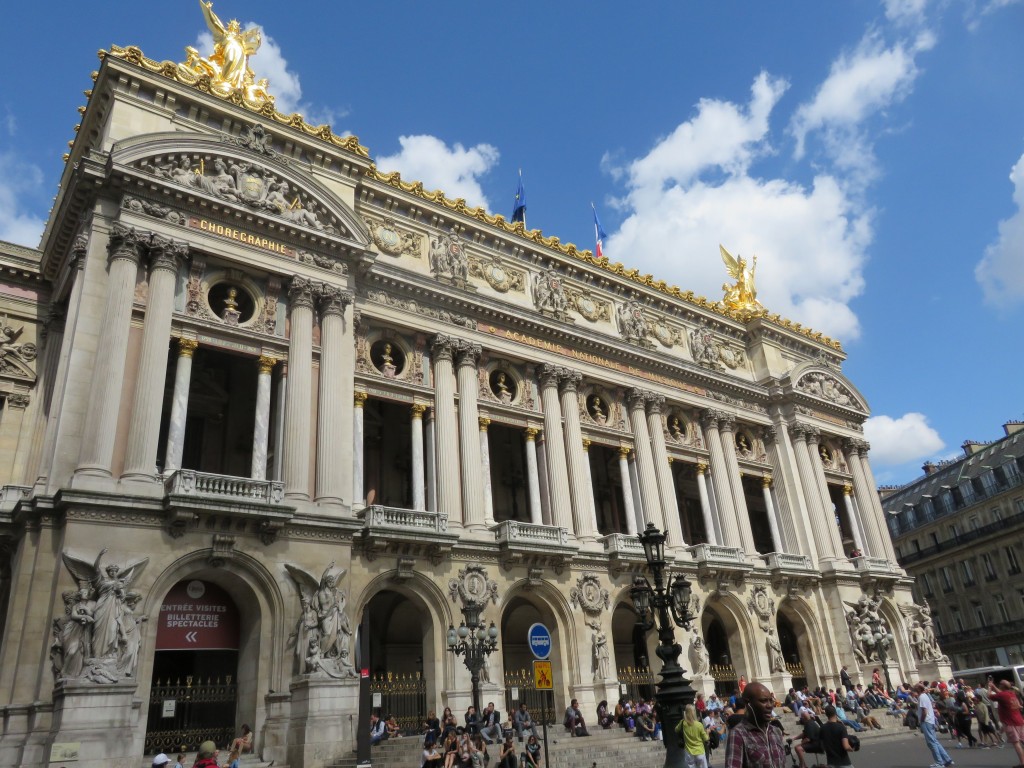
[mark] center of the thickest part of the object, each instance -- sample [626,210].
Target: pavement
[908,750]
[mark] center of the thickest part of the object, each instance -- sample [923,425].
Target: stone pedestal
[272,742]
[604,690]
[703,684]
[926,670]
[780,683]
[323,723]
[96,723]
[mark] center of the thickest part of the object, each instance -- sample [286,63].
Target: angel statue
[743,295]
[228,65]
[323,634]
[111,633]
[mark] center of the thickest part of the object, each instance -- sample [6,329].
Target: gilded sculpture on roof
[742,296]
[228,65]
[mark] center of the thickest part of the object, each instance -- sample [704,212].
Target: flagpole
[521,186]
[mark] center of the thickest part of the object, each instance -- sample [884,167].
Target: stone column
[51,339]
[663,469]
[279,409]
[705,502]
[627,490]
[97,452]
[469,435]
[430,460]
[147,403]
[485,471]
[584,516]
[634,489]
[330,452]
[823,548]
[727,427]
[831,512]
[533,477]
[851,518]
[179,405]
[719,479]
[446,430]
[636,401]
[786,490]
[769,503]
[554,446]
[261,429]
[298,413]
[869,505]
[419,502]
[545,481]
[358,448]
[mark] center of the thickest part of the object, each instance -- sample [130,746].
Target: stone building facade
[959,531]
[255,391]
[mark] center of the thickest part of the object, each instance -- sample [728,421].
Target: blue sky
[871,154]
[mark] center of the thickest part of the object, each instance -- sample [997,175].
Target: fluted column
[533,477]
[358,448]
[831,513]
[419,501]
[277,466]
[851,518]
[261,429]
[179,405]
[705,502]
[469,429]
[554,446]
[636,401]
[878,518]
[147,402]
[793,532]
[544,478]
[430,456]
[663,470]
[298,406]
[330,452]
[627,490]
[823,548]
[769,503]
[720,479]
[879,544]
[446,429]
[485,471]
[97,452]
[727,427]
[584,517]
[51,340]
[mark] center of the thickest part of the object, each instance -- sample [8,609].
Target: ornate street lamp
[653,605]
[882,639]
[474,641]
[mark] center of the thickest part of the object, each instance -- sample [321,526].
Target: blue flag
[519,207]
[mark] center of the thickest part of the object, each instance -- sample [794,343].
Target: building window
[945,503]
[987,483]
[966,492]
[947,579]
[958,620]
[938,626]
[967,572]
[916,545]
[958,498]
[1011,560]
[997,515]
[990,567]
[979,614]
[954,531]
[1020,505]
[975,523]
[1004,615]
[935,538]
[927,579]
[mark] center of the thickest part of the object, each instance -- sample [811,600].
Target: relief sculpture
[323,634]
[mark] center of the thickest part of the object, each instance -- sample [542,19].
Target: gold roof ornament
[228,65]
[740,298]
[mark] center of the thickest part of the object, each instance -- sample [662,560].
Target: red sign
[197,615]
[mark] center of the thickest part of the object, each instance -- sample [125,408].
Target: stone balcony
[721,565]
[239,504]
[625,552]
[11,495]
[522,543]
[791,571]
[405,532]
[877,572]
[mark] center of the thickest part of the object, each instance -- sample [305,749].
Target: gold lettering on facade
[238,235]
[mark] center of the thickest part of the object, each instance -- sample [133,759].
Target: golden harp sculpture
[228,65]
[741,297]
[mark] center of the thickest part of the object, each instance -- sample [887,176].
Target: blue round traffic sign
[539,640]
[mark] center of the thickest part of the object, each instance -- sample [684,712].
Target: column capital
[359,398]
[186,347]
[800,430]
[702,468]
[766,481]
[531,434]
[301,292]
[856,447]
[125,243]
[443,347]
[655,403]
[586,445]
[17,400]
[468,354]
[812,433]
[726,422]
[769,433]
[847,490]
[710,418]
[484,423]
[418,409]
[569,380]
[624,451]
[165,253]
[79,247]
[636,399]
[332,300]
[548,375]
[266,364]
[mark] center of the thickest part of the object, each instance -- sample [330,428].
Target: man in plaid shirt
[754,742]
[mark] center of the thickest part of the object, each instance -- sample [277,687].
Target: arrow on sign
[190,637]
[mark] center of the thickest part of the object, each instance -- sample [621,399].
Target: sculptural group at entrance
[323,634]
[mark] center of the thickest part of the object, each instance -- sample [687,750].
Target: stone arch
[809,636]
[624,639]
[262,657]
[794,382]
[734,619]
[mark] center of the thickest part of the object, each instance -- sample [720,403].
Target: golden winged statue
[741,297]
[228,65]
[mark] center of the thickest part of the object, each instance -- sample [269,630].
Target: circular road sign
[539,639]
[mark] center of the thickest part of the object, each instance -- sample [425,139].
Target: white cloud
[1001,270]
[897,441]
[18,181]
[695,189]
[905,11]
[860,84]
[455,171]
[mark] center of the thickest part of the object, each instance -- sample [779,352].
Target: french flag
[599,235]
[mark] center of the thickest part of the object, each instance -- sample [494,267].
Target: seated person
[490,724]
[472,721]
[393,729]
[645,727]
[448,722]
[524,722]
[432,725]
[478,756]
[809,741]
[531,757]
[244,742]
[507,754]
[574,720]
[378,730]
[604,718]
[432,757]
[450,749]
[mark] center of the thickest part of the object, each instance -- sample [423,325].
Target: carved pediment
[826,386]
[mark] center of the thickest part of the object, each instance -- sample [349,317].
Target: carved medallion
[497,275]
[589,595]
[762,606]
[473,587]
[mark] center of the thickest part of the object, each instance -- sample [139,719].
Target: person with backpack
[808,742]
[693,738]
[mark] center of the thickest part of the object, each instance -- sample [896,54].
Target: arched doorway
[398,647]
[634,651]
[791,650]
[797,637]
[519,614]
[194,691]
[724,637]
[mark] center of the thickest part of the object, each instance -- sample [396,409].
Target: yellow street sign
[542,677]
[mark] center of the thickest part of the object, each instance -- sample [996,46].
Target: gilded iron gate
[184,715]
[639,684]
[726,681]
[404,696]
[540,703]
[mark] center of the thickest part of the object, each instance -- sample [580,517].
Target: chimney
[930,467]
[1012,427]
